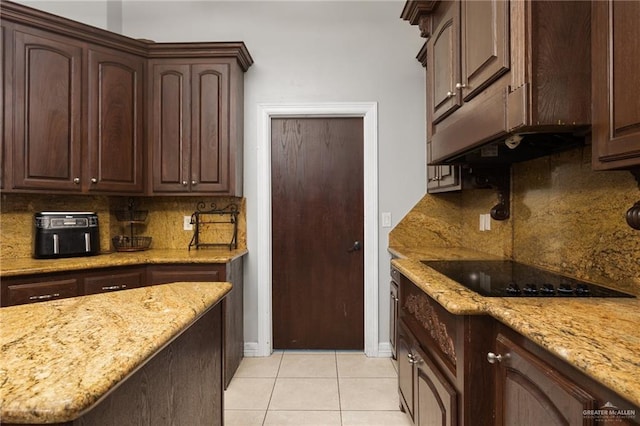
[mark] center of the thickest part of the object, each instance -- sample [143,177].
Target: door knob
[356,246]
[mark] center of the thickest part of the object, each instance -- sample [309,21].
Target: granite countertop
[60,357]
[600,337]
[27,265]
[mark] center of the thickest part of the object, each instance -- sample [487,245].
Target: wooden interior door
[317,218]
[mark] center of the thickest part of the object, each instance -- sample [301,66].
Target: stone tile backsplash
[163,224]
[564,217]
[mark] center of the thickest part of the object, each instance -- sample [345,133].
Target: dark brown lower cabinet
[532,392]
[113,280]
[425,392]
[43,287]
[442,362]
[232,305]
[19,293]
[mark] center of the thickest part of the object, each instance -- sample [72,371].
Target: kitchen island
[597,338]
[150,355]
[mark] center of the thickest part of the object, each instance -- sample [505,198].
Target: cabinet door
[393,317]
[443,65]
[106,281]
[485,44]
[170,121]
[19,294]
[531,392]
[616,84]
[115,120]
[47,112]
[406,370]
[436,398]
[210,128]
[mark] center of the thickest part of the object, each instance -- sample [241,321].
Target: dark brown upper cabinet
[195,122]
[616,84]
[76,123]
[46,143]
[115,122]
[496,68]
[78,100]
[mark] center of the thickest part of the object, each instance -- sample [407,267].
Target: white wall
[308,51]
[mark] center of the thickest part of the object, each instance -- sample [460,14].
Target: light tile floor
[314,388]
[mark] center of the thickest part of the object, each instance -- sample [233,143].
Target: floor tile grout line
[275,381]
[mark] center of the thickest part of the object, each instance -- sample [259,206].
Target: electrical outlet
[186,223]
[485,222]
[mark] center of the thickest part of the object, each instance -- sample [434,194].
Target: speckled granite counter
[54,366]
[600,337]
[25,266]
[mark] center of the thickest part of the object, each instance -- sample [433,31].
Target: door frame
[369,112]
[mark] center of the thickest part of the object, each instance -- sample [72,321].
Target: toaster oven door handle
[87,242]
[56,244]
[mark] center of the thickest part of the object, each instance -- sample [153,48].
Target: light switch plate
[386,219]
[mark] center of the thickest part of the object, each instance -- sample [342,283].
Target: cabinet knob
[76,180]
[493,358]
[414,359]
[460,86]
[450,94]
[194,182]
[185,183]
[94,180]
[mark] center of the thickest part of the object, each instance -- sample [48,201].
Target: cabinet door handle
[185,183]
[493,358]
[94,180]
[194,182]
[76,180]
[450,94]
[114,287]
[44,296]
[460,86]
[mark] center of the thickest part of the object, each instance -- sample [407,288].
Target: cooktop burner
[506,278]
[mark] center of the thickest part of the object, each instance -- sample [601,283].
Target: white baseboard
[384,350]
[251,349]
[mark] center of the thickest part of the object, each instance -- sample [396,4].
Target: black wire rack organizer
[217,221]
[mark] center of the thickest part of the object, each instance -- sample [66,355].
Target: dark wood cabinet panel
[4,68]
[162,274]
[40,291]
[170,131]
[233,304]
[393,317]
[485,45]
[194,126]
[115,122]
[444,62]
[210,134]
[529,391]
[181,385]
[47,126]
[437,398]
[113,280]
[616,84]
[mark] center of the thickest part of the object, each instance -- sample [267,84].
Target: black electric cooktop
[506,278]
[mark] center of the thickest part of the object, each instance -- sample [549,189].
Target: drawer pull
[114,287]
[44,296]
